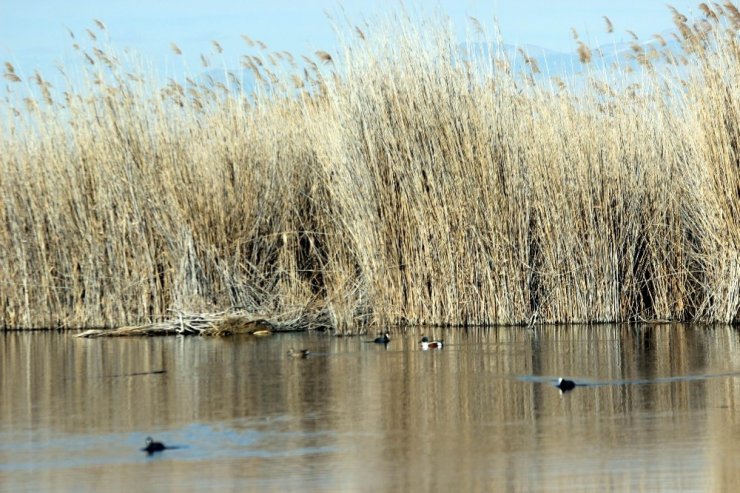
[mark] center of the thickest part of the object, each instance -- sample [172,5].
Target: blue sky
[33,33]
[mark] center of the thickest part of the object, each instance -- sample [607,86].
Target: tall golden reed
[396,181]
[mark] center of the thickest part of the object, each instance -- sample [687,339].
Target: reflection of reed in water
[423,413]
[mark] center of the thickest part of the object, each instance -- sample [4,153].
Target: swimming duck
[565,385]
[385,339]
[152,446]
[298,353]
[425,343]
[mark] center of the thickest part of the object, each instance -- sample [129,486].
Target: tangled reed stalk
[224,323]
[397,181]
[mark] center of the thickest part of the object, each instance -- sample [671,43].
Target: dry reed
[395,182]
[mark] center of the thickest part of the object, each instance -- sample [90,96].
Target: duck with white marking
[384,339]
[565,385]
[152,446]
[425,343]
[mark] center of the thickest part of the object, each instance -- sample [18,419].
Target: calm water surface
[658,411]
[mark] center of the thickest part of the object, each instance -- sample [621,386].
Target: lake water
[658,411]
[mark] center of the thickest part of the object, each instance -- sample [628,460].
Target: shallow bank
[217,324]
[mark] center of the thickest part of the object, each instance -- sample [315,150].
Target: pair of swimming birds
[424,343]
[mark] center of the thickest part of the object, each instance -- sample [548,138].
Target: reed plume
[609,25]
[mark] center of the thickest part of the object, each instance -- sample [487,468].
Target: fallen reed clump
[224,323]
[400,180]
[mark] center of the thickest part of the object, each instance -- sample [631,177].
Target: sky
[34,33]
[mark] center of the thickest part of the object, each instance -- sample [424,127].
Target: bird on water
[565,385]
[298,353]
[152,446]
[425,343]
[384,339]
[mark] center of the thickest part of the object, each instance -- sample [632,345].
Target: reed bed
[400,180]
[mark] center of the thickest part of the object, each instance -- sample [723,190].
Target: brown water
[658,411]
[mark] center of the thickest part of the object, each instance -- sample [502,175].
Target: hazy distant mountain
[548,61]
[551,63]
[626,52]
[556,63]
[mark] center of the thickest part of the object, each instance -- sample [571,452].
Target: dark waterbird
[565,385]
[152,446]
[384,339]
